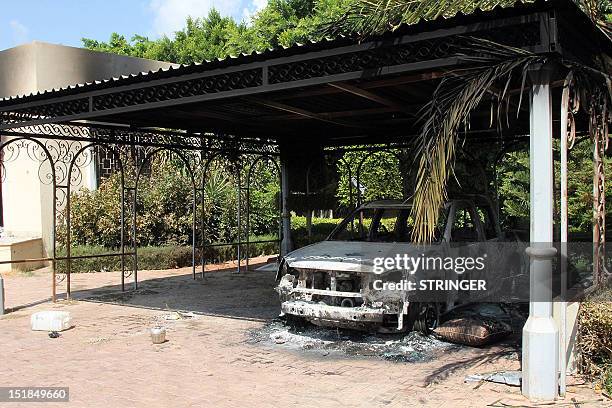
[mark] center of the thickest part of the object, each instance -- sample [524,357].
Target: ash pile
[460,328]
[325,342]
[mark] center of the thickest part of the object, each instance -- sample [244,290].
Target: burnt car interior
[390,221]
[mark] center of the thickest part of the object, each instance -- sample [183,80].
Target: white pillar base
[540,359]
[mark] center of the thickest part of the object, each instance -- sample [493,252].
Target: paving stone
[108,360]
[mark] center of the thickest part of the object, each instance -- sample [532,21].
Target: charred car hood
[343,256]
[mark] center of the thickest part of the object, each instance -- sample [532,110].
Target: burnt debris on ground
[402,347]
[408,347]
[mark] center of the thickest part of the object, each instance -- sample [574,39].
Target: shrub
[179,256]
[160,257]
[321,228]
[165,209]
[595,338]
[607,382]
[381,177]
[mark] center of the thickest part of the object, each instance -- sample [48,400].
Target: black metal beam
[300,112]
[334,114]
[371,96]
[371,84]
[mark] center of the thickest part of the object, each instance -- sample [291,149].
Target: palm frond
[449,109]
[370,17]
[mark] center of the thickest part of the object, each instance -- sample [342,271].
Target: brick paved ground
[107,359]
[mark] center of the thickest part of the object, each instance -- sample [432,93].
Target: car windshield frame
[378,215]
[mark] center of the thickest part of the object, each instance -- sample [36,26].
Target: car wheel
[426,317]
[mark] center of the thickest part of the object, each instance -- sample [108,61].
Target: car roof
[387,204]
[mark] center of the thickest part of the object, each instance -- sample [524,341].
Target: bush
[165,209]
[381,177]
[321,228]
[595,338]
[179,256]
[607,382]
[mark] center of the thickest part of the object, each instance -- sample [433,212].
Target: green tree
[513,179]
[380,177]
[280,23]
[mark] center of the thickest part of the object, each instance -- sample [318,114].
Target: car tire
[425,317]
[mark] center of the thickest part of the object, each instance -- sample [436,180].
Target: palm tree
[367,17]
[493,65]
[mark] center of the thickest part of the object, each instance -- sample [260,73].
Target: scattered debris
[98,340]
[474,331]
[519,404]
[410,347]
[176,315]
[512,378]
[158,335]
[51,321]
[268,267]
[480,324]
[512,314]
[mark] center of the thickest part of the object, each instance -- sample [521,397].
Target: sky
[67,21]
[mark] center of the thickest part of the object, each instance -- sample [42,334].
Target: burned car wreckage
[333,283]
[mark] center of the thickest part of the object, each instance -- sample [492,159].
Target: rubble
[410,347]
[502,377]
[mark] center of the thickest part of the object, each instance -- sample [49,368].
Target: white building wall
[27,202]
[21,197]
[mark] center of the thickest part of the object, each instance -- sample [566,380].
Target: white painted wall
[27,203]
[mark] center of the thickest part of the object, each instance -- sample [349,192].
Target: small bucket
[158,335]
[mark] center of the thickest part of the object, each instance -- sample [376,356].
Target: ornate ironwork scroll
[64,152]
[40,152]
[598,110]
[274,165]
[180,89]
[145,138]
[49,110]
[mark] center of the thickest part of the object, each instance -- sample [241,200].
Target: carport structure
[297,102]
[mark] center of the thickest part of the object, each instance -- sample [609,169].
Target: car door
[465,236]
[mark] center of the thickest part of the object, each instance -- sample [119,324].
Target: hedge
[179,256]
[159,257]
[321,228]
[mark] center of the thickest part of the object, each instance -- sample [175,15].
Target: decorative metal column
[598,128]
[540,334]
[570,105]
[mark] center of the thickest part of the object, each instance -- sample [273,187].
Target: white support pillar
[92,170]
[540,334]
[286,243]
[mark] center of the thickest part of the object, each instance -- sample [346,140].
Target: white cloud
[170,15]
[254,7]
[19,31]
